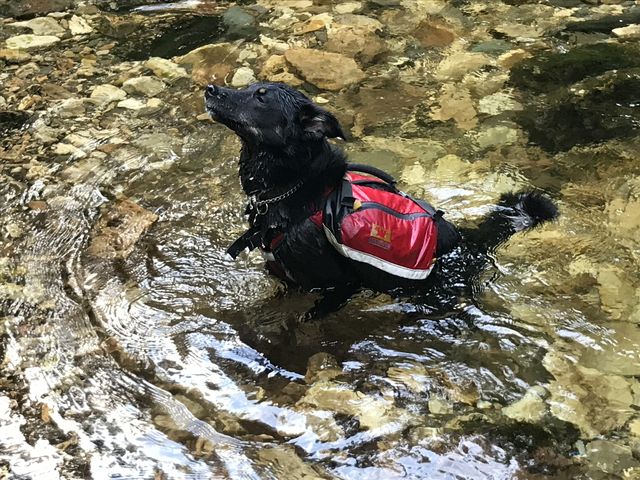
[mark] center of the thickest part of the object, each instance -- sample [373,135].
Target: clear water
[173,363]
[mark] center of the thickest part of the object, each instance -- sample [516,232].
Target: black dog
[287,166]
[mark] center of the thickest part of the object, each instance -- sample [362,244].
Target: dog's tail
[514,213]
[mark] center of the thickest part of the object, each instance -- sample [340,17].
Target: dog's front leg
[331,301]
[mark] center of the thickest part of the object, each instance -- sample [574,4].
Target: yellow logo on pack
[380,236]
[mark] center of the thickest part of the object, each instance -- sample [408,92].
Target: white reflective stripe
[268,256]
[392,268]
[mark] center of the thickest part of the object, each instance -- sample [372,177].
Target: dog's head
[272,116]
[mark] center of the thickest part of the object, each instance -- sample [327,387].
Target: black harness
[255,236]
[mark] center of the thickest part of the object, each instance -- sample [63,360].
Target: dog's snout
[211,90]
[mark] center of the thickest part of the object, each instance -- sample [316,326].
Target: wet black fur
[284,140]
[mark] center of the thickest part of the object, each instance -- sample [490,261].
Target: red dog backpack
[368,220]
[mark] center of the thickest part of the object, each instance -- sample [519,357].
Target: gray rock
[147,86]
[32,8]
[239,23]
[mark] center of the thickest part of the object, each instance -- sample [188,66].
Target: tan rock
[326,70]
[458,65]
[166,69]
[276,69]
[356,42]
[630,31]
[456,104]
[31,41]
[211,63]
[596,403]
[118,229]
[14,56]
[434,34]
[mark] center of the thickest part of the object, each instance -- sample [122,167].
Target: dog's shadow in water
[273,327]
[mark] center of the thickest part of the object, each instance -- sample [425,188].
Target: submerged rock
[594,110]
[530,408]
[357,42]
[456,66]
[595,402]
[434,34]
[456,104]
[371,412]
[118,229]
[326,70]
[617,349]
[610,457]
[549,71]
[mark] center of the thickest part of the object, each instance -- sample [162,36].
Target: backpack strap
[250,239]
[376,172]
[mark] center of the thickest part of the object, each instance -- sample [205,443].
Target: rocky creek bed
[131,347]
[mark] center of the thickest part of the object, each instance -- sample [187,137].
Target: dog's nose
[210,91]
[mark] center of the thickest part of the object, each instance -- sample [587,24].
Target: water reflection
[165,358]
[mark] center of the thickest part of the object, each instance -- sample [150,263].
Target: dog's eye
[260,94]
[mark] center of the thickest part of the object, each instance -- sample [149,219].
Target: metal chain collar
[262,206]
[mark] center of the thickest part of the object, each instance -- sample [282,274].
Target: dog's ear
[318,122]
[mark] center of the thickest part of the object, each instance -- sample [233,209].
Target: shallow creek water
[132,347]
